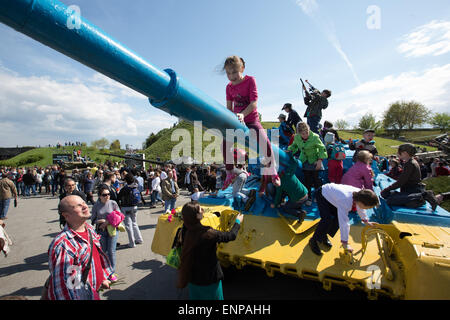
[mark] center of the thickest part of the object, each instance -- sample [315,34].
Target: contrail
[311,8]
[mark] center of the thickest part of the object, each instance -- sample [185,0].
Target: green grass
[163,147]
[439,185]
[42,157]
[385,146]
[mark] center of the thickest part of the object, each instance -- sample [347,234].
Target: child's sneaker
[251,200]
[228,180]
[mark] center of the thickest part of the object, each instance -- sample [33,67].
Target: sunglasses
[105,194]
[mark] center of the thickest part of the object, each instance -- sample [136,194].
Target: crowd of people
[120,190]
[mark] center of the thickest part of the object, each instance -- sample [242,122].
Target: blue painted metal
[46,22]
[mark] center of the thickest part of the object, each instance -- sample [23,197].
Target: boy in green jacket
[312,152]
[295,190]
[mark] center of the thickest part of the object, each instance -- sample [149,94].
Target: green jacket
[290,185]
[311,150]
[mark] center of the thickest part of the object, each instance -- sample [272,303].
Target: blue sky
[46,97]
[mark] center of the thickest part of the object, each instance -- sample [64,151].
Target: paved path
[34,224]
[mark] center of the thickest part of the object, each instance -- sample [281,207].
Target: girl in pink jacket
[360,175]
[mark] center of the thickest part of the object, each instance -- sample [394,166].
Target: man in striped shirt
[69,255]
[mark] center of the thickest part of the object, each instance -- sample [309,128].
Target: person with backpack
[336,156]
[129,197]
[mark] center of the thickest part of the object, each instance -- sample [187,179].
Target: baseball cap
[287,105]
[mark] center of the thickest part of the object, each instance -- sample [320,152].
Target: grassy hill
[163,147]
[43,157]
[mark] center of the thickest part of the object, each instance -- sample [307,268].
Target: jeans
[313,123]
[134,234]
[169,204]
[4,206]
[155,197]
[109,244]
[21,188]
[27,189]
[54,187]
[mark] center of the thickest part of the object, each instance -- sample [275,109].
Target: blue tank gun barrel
[46,21]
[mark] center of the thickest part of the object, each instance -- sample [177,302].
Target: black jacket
[293,119]
[206,269]
[315,103]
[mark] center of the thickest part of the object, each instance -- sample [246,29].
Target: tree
[115,145]
[416,114]
[341,124]
[441,121]
[404,114]
[100,144]
[368,121]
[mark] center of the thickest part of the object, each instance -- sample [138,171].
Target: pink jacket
[359,176]
[115,218]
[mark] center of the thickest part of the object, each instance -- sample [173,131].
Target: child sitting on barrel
[412,192]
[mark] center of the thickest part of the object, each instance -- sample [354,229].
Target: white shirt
[140,181]
[163,175]
[341,196]
[156,184]
[197,195]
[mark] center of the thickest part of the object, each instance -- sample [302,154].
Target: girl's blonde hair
[233,62]
[364,156]
[302,126]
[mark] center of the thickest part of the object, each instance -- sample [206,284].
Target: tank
[405,257]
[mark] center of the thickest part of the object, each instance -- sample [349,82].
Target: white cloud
[430,87]
[308,6]
[41,110]
[430,39]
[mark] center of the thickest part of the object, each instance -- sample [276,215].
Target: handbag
[84,290]
[173,259]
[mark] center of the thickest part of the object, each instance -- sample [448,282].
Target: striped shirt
[66,253]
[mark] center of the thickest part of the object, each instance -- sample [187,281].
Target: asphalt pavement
[33,224]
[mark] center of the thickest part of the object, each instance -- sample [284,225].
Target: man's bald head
[74,210]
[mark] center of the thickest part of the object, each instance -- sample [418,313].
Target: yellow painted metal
[403,261]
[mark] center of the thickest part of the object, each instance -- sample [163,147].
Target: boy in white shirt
[196,195]
[335,201]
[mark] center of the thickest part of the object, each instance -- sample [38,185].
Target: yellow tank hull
[402,261]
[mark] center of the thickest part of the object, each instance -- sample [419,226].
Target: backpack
[329,138]
[132,197]
[337,151]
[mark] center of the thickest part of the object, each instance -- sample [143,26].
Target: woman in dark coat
[199,268]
